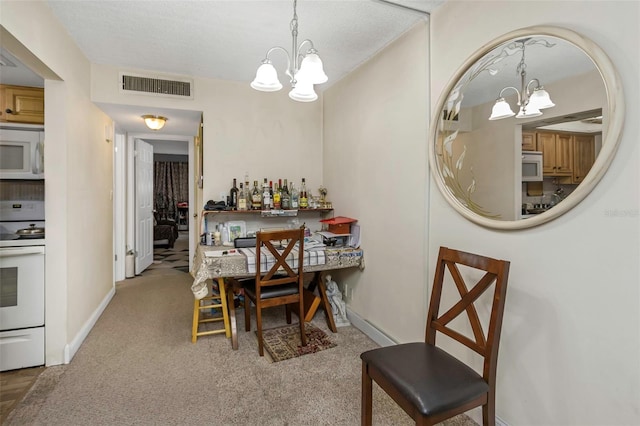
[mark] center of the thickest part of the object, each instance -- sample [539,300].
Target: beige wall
[375,158]
[571,338]
[78,164]
[245,131]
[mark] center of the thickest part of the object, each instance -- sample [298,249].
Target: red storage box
[339,224]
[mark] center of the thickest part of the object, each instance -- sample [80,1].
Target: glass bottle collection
[270,196]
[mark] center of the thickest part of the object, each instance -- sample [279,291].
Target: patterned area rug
[170,258]
[176,257]
[284,342]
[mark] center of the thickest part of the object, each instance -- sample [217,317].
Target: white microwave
[532,166]
[21,153]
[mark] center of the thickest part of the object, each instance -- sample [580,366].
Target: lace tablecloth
[225,262]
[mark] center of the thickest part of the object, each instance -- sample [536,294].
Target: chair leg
[489,412]
[259,327]
[247,313]
[303,335]
[194,324]
[287,310]
[367,387]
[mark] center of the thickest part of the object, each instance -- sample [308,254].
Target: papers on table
[222,253]
[354,239]
[351,239]
[312,244]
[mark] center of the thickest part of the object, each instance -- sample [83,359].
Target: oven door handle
[22,251]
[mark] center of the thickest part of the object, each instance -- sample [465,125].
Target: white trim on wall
[369,329]
[71,348]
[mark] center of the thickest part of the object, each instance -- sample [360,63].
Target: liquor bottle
[216,237]
[233,196]
[271,203]
[285,199]
[247,191]
[266,196]
[277,196]
[304,201]
[256,197]
[242,199]
[295,199]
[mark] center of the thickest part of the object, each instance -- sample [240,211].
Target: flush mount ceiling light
[530,103]
[154,122]
[304,69]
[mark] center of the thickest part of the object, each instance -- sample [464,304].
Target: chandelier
[530,103]
[304,69]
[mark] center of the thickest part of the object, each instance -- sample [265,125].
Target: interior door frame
[119,204]
[131,179]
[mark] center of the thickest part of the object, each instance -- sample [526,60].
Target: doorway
[165,147]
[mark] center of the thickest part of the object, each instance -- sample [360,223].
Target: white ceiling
[228,39]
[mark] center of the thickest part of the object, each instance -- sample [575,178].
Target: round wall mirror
[526,128]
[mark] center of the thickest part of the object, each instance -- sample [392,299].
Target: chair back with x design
[430,384]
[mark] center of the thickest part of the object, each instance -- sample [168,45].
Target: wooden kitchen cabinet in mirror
[584,155]
[529,141]
[557,153]
[564,85]
[21,104]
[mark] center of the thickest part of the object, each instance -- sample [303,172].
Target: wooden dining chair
[278,284]
[428,383]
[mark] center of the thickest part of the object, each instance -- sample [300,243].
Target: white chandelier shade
[540,99]
[312,68]
[266,78]
[304,70]
[303,91]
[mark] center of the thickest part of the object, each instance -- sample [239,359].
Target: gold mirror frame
[615,109]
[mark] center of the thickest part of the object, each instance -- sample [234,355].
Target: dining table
[227,265]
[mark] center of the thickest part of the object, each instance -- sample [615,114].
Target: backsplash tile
[22,190]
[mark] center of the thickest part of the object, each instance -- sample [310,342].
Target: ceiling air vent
[153,85]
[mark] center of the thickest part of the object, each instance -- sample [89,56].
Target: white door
[144,205]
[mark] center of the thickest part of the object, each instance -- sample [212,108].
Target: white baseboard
[500,422]
[367,328]
[383,340]
[71,348]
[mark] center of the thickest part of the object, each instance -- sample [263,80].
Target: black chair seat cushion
[268,292]
[427,376]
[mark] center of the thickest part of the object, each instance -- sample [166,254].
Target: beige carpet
[139,367]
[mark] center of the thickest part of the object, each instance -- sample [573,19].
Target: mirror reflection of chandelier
[303,69]
[530,103]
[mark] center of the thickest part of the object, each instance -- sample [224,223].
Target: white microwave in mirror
[21,153]
[532,166]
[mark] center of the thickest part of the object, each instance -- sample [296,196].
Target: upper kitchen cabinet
[584,155]
[557,153]
[567,156]
[21,104]
[528,141]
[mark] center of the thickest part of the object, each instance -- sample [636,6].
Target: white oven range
[22,286]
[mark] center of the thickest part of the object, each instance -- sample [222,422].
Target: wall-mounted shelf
[267,213]
[259,214]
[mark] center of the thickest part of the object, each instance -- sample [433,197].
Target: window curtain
[170,187]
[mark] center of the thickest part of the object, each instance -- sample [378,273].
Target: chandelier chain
[294,22]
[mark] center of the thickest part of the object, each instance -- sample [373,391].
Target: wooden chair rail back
[496,273]
[276,274]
